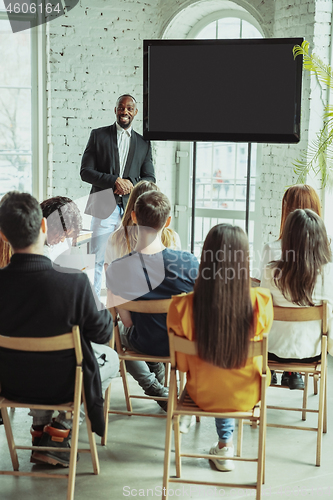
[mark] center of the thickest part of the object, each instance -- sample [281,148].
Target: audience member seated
[298,196]
[63,226]
[302,276]
[150,272]
[124,239]
[64,223]
[39,300]
[223,314]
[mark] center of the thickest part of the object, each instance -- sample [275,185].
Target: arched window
[221,167]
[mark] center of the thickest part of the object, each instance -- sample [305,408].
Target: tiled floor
[132,461]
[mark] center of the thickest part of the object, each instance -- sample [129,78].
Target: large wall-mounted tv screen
[222,90]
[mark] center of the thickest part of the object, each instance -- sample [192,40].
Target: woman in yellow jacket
[224,315]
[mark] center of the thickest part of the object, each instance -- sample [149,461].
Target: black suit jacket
[100,167]
[39,299]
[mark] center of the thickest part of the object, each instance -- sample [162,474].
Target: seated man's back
[39,299]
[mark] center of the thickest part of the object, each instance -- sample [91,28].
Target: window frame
[185,164]
[38,104]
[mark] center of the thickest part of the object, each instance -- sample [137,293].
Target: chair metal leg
[75,434]
[315,384]
[305,395]
[321,413]
[167,374]
[92,442]
[171,403]
[123,373]
[10,439]
[177,444]
[106,415]
[325,407]
[239,438]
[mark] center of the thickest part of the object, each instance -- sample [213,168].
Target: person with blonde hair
[124,239]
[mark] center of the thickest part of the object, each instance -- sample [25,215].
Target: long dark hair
[222,308]
[305,249]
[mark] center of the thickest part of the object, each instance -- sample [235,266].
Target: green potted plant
[319,155]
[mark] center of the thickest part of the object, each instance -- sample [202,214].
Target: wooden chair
[185,406]
[125,354]
[47,344]
[317,370]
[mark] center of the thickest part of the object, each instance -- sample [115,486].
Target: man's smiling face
[125,111]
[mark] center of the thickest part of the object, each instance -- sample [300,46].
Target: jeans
[225,428]
[108,363]
[102,228]
[138,369]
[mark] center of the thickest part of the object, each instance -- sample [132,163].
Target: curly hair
[63,219]
[5,253]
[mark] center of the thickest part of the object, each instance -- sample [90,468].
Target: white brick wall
[293,19]
[94,54]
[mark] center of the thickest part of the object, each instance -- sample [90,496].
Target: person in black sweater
[41,299]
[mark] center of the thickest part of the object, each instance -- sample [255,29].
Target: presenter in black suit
[116,158]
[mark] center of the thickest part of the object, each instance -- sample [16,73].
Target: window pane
[229,27]
[15,110]
[15,119]
[249,31]
[208,33]
[221,171]
[204,224]
[15,61]
[15,173]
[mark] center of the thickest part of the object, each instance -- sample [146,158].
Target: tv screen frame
[160,105]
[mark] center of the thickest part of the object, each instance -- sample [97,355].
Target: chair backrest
[142,306]
[303,314]
[46,344]
[180,344]
[147,306]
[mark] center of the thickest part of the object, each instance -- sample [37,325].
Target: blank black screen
[240,90]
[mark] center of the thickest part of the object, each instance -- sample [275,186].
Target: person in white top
[302,276]
[298,196]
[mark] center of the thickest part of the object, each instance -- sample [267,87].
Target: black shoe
[159,370]
[293,380]
[156,389]
[58,436]
[36,434]
[273,377]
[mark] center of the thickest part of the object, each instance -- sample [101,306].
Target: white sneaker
[186,421]
[226,451]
